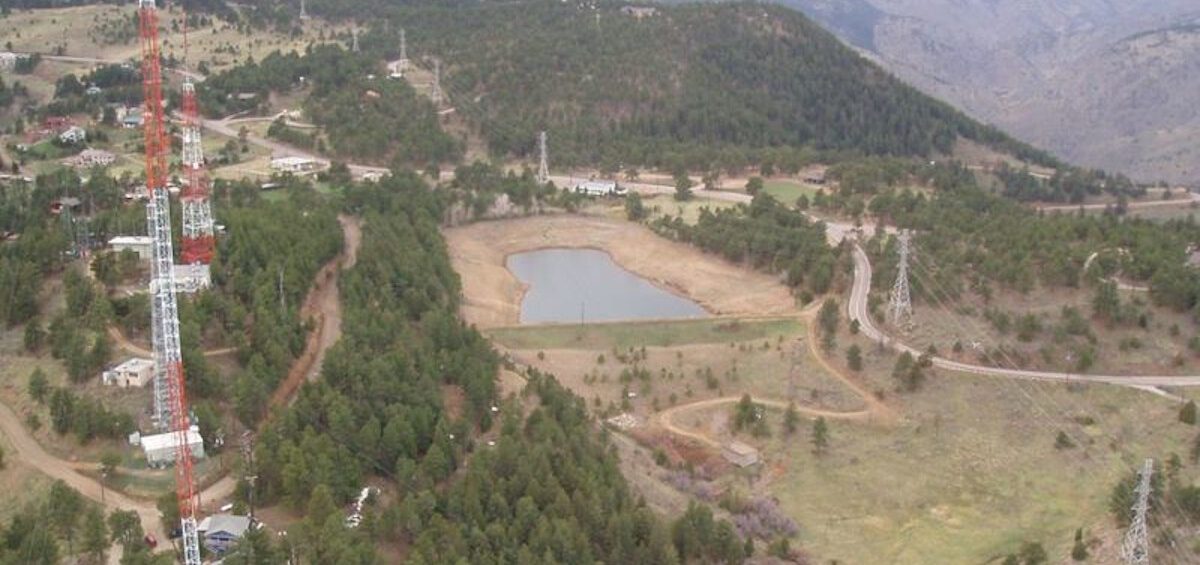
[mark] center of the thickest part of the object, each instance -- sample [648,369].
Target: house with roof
[220,532]
[73,135]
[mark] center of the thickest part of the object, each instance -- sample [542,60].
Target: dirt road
[666,417]
[323,306]
[134,349]
[29,451]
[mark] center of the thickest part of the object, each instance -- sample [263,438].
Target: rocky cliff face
[1104,83]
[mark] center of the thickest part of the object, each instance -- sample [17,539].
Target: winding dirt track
[321,304]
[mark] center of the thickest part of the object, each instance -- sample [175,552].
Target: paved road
[857,310]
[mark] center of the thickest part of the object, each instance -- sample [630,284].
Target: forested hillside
[735,77]
[697,85]
[548,490]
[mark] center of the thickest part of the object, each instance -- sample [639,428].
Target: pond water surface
[573,285]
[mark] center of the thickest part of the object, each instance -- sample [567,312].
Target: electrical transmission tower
[900,304]
[543,174]
[436,92]
[1135,550]
[197,222]
[170,397]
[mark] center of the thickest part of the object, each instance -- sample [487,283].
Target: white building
[140,244]
[222,531]
[73,135]
[295,165]
[133,372]
[190,279]
[160,448]
[600,188]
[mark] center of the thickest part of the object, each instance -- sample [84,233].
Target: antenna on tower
[303,11]
[1135,549]
[900,304]
[436,92]
[543,174]
[354,36]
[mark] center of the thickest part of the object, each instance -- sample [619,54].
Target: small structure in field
[740,454]
[160,448]
[815,174]
[140,244]
[135,372]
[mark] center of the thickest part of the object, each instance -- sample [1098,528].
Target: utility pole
[794,370]
[403,63]
[249,473]
[543,174]
[282,297]
[436,92]
[1135,549]
[900,304]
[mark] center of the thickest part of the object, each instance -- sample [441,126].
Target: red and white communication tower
[170,395]
[197,212]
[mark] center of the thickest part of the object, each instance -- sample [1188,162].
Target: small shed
[740,454]
[160,448]
[140,244]
[134,372]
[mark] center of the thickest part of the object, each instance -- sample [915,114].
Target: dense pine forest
[703,86]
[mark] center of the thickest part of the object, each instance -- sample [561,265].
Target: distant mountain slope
[1104,83]
[689,79]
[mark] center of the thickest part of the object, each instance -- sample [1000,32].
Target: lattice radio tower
[354,40]
[543,174]
[436,92]
[303,11]
[170,395]
[1135,549]
[900,305]
[198,242]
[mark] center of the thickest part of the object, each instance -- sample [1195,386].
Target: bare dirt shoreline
[492,294]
